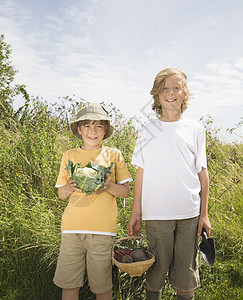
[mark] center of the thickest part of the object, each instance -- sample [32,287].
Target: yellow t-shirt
[95,213]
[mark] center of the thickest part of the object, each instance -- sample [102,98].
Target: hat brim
[92,117]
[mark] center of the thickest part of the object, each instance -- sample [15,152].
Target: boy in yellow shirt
[89,222]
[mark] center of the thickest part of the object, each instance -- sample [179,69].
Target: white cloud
[222,83]
[239,63]
[80,12]
[7,7]
[218,93]
[54,23]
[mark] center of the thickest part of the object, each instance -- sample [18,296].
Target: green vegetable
[89,178]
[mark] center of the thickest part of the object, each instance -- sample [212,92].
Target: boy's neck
[171,116]
[90,148]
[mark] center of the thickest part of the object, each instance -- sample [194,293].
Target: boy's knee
[70,294]
[104,296]
[153,295]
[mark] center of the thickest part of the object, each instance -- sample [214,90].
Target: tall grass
[31,150]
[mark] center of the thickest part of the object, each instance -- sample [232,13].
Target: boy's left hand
[107,183]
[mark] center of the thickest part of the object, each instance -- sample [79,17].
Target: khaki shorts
[175,245]
[81,251]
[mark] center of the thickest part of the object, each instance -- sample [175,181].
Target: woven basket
[134,268]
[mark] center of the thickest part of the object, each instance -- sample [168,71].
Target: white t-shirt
[171,154]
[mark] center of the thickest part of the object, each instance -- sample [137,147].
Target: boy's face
[92,134]
[172,96]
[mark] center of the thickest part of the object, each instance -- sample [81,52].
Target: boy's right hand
[66,190]
[71,186]
[134,225]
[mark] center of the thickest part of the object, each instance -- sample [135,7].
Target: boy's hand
[204,223]
[107,184]
[71,186]
[66,190]
[134,225]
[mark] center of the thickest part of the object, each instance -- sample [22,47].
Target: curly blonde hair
[159,83]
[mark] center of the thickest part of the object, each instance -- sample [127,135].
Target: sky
[111,50]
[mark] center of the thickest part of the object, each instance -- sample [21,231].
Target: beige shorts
[175,245]
[81,251]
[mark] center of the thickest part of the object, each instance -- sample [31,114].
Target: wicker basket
[134,268]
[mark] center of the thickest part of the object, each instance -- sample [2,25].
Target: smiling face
[92,133]
[172,95]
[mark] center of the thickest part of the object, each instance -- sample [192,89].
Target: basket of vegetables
[89,178]
[134,258]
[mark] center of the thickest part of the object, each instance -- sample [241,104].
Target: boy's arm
[203,220]
[134,224]
[116,189]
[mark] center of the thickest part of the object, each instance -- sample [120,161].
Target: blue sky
[111,50]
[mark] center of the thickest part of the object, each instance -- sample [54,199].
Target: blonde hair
[159,83]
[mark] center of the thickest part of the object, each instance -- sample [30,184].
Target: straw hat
[93,112]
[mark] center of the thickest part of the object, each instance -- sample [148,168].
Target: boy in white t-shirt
[171,188]
[89,222]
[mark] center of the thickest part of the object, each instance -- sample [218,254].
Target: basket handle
[130,237]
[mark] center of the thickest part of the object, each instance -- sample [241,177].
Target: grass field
[32,142]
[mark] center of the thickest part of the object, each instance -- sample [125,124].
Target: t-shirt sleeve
[62,178]
[201,159]
[122,174]
[137,158]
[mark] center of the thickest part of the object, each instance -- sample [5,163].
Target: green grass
[30,153]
